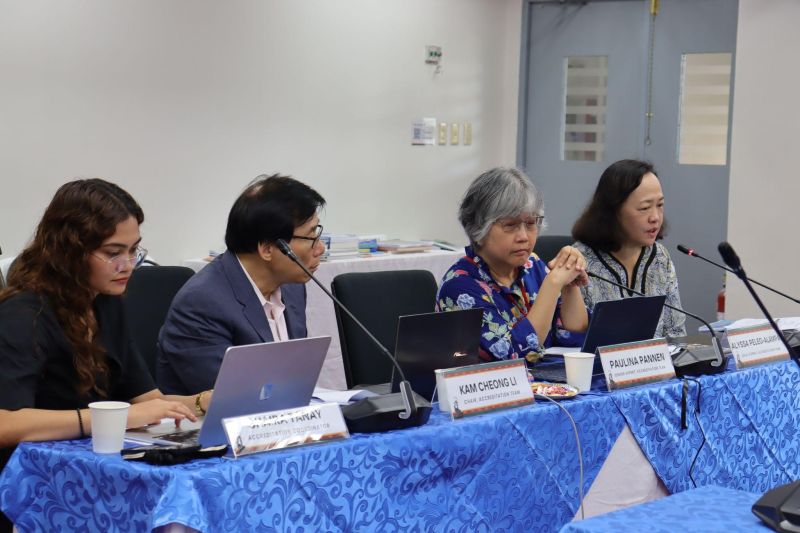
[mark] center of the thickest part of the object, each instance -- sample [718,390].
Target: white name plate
[756,345]
[285,429]
[478,389]
[636,363]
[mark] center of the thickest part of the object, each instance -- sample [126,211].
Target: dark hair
[598,227]
[81,215]
[270,208]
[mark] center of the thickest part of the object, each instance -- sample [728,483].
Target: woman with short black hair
[618,233]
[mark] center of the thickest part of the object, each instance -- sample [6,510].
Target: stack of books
[397,246]
[340,246]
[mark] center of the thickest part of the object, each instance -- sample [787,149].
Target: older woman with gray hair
[527,306]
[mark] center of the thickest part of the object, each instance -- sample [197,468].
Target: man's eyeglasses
[315,239]
[120,261]
[529,224]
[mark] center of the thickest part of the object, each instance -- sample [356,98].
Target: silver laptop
[254,378]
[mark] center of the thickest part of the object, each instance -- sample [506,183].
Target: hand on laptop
[152,411]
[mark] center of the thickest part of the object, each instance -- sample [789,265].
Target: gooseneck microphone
[698,364]
[733,261]
[692,253]
[413,409]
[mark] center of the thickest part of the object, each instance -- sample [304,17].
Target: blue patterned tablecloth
[707,509]
[512,470]
[751,420]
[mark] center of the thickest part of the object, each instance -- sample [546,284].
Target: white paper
[784,324]
[561,350]
[423,132]
[341,396]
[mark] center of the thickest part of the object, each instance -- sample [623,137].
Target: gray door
[696,195]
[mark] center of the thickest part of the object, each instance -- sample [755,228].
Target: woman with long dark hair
[618,235]
[63,336]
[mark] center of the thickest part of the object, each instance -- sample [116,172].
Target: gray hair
[497,193]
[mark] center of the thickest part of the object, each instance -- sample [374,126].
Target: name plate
[756,345]
[478,389]
[636,363]
[276,430]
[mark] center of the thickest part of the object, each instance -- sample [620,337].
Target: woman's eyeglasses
[120,261]
[529,224]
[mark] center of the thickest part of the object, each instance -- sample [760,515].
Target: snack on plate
[554,390]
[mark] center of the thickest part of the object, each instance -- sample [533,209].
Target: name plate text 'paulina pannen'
[636,363]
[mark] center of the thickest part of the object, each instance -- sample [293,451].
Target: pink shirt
[273,309]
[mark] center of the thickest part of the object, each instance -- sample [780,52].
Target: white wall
[183,102]
[764,185]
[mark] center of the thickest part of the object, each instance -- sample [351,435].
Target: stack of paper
[398,246]
[341,245]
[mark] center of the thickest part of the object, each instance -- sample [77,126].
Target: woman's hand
[152,411]
[568,268]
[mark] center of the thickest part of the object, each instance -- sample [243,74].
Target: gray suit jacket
[215,309]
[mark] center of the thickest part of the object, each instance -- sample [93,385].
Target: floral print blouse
[506,332]
[654,274]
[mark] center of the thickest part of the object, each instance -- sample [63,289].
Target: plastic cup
[579,366]
[108,425]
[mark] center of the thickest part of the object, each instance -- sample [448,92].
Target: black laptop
[431,341]
[613,322]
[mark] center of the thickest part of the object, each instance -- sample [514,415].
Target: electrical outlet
[467,133]
[443,133]
[454,133]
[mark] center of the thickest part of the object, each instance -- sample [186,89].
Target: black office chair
[377,299]
[547,246]
[148,297]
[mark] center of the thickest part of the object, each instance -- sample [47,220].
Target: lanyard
[525,306]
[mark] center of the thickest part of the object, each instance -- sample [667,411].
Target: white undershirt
[273,309]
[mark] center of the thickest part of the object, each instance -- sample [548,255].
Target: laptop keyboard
[189,436]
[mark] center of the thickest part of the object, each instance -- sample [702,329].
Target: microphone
[692,253]
[376,413]
[689,362]
[732,260]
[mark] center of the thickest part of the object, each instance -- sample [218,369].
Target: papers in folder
[785,324]
[340,396]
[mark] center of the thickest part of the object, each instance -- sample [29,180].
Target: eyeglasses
[315,239]
[120,261]
[529,224]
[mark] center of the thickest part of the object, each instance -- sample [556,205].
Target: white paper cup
[108,425]
[579,366]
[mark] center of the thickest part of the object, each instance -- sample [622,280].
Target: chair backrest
[2,281]
[377,299]
[148,297]
[547,246]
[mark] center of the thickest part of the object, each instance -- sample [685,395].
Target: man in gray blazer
[251,293]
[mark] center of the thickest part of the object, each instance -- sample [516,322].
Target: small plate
[554,391]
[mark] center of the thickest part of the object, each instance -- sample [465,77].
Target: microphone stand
[691,253]
[409,406]
[718,364]
[732,260]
